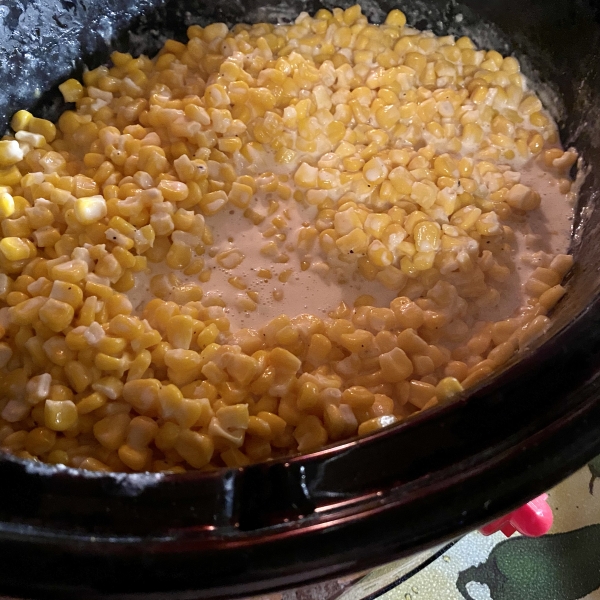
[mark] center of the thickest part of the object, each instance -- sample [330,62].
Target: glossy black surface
[344,509]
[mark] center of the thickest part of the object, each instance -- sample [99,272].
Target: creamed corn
[407,144]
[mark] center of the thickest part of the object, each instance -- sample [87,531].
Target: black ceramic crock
[69,534]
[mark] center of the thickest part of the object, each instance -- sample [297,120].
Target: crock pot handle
[532,520]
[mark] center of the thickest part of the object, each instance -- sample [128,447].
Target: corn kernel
[71,90]
[10,153]
[395,365]
[60,415]
[195,448]
[14,248]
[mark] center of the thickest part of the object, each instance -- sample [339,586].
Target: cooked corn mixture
[405,146]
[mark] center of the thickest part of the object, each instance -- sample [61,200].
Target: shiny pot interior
[68,534]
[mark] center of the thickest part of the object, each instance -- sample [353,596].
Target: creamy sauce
[306,291]
[539,235]
[315,290]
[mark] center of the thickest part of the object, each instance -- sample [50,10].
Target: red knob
[533,519]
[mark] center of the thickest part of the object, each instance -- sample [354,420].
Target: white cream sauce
[542,232]
[545,231]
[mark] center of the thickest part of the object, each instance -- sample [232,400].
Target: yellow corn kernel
[42,127]
[498,355]
[173,191]
[358,398]
[306,176]
[10,176]
[562,264]
[139,365]
[476,376]
[71,90]
[180,330]
[423,194]
[113,346]
[16,227]
[60,415]
[377,423]
[551,296]
[229,259]
[375,171]
[213,202]
[179,256]
[241,368]
[195,448]
[318,349]
[21,120]
[7,205]
[68,293]
[551,155]
[111,431]
[447,388]
[58,457]
[207,336]
[358,341]
[72,271]
[142,430]
[421,393]
[523,197]
[375,224]
[142,394]
[395,365]
[21,299]
[308,396]
[415,61]
[15,248]
[240,194]
[427,235]
[38,388]
[182,360]
[233,418]
[167,435]
[125,326]
[135,458]
[40,440]
[78,375]
[472,133]
[530,105]
[284,360]
[355,242]
[10,153]
[310,434]
[233,458]
[339,421]
[108,363]
[110,386]
[90,403]
[270,422]
[56,315]
[379,255]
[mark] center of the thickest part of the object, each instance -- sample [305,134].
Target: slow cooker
[239,532]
